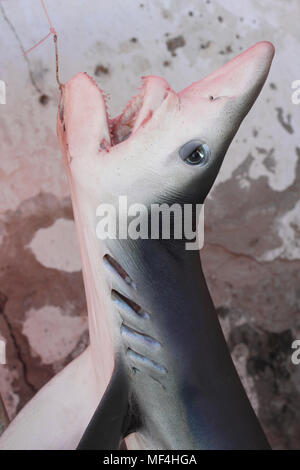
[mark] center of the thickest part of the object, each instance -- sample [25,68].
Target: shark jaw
[239,80]
[81,96]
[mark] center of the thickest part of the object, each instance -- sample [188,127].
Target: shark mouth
[139,109]
[121,127]
[83,101]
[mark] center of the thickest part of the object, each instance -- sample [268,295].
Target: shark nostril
[112,263]
[211,98]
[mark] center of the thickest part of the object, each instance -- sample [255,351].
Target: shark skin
[165,376]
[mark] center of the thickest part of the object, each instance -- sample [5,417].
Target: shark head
[165,145]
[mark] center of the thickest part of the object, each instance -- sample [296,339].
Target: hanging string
[53,33]
[46,13]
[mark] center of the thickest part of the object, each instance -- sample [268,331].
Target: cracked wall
[252,243]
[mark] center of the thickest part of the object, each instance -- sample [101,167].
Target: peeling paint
[56,246]
[286,123]
[9,396]
[261,222]
[28,285]
[288,229]
[175,43]
[51,333]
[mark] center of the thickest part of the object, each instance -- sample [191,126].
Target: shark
[166,378]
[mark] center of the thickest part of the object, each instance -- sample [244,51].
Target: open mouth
[121,127]
[139,109]
[82,97]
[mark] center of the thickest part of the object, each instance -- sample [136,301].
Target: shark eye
[195,152]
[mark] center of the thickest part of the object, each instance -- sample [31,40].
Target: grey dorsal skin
[182,390]
[174,383]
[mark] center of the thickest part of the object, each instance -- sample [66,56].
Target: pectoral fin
[110,420]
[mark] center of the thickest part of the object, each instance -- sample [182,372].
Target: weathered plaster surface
[62,248]
[252,252]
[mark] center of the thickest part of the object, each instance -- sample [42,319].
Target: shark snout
[244,76]
[241,79]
